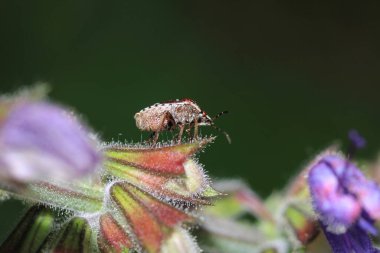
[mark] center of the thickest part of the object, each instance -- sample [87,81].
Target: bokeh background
[295,75]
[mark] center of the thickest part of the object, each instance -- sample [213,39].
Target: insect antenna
[222,131]
[219,114]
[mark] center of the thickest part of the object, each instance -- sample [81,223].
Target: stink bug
[172,114]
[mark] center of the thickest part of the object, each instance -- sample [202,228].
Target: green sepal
[31,233]
[180,240]
[227,207]
[112,238]
[270,250]
[303,225]
[76,237]
[73,197]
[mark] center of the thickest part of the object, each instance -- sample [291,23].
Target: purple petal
[367,225]
[39,140]
[355,240]
[368,193]
[336,209]
[347,203]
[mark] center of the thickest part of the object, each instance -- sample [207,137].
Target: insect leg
[224,132]
[163,124]
[218,115]
[181,128]
[195,130]
[188,130]
[155,137]
[167,123]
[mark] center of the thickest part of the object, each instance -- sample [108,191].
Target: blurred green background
[295,75]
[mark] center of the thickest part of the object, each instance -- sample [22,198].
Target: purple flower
[346,202]
[40,140]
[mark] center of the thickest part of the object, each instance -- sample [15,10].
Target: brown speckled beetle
[172,114]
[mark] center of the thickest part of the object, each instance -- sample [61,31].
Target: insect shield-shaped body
[174,114]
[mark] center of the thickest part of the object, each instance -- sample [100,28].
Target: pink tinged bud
[39,140]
